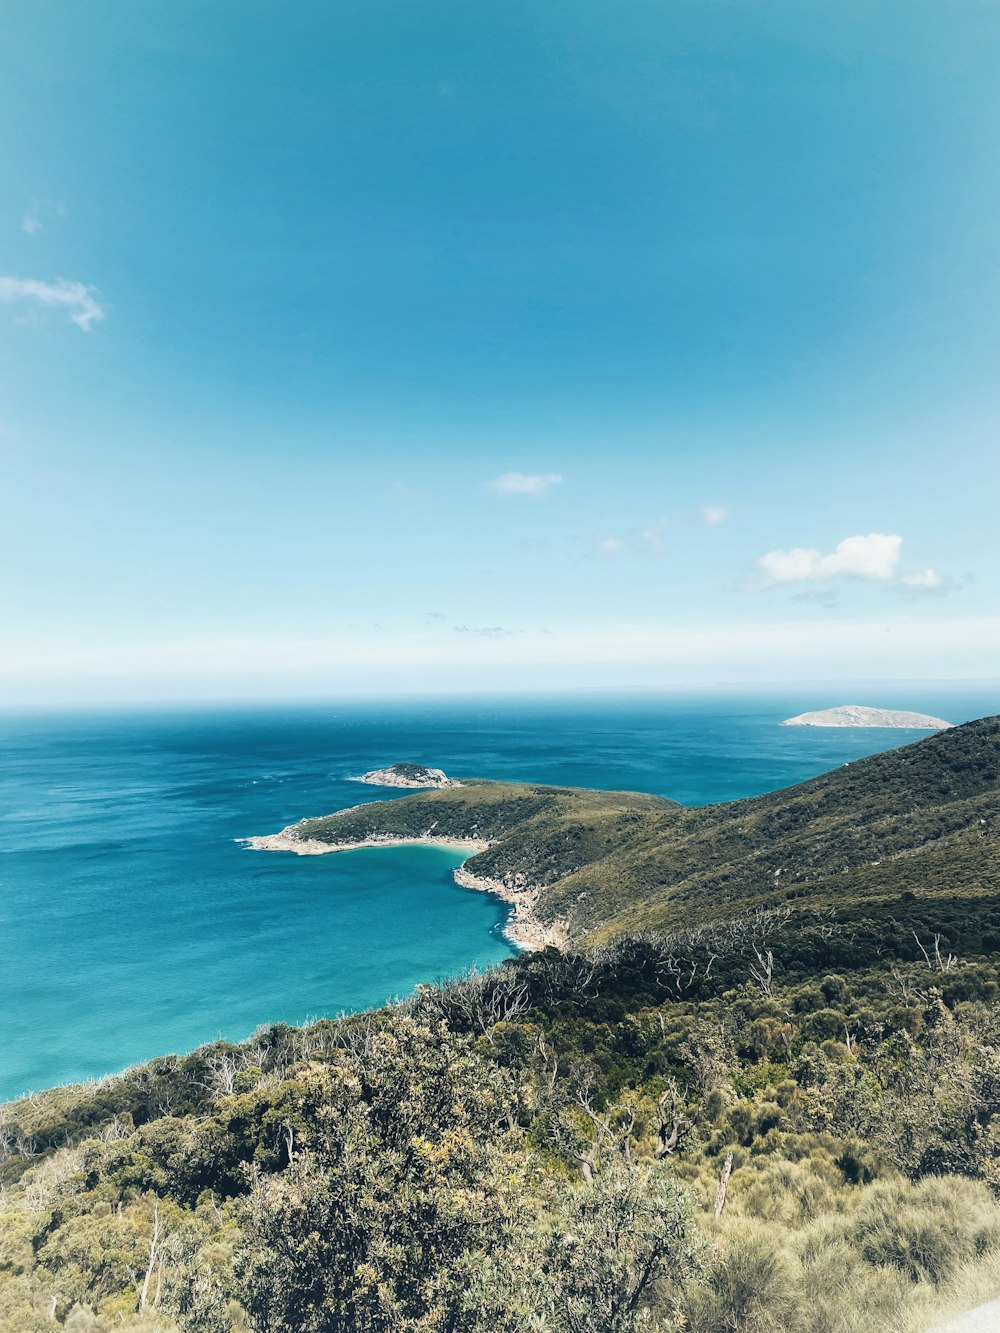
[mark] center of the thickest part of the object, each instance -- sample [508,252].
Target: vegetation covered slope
[782,1118]
[540,1150]
[922,821]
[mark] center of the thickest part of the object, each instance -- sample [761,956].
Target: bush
[782,1191]
[751,1286]
[927,1230]
[613,1240]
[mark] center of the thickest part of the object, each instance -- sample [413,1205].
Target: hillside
[918,825]
[778,1119]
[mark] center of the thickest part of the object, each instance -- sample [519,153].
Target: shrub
[782,1191]
[926,1231]
[751,1286]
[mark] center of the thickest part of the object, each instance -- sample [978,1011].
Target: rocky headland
[587,866]
[416,777]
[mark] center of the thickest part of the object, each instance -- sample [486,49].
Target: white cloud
[40,212]
[645,541]
[77,299]
[523,483]
[928,580]
[483,631]
[874,556]
[713,514]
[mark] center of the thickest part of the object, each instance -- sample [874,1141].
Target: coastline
[288,841]
[522,928]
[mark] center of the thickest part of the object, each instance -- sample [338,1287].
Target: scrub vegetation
[782,1115]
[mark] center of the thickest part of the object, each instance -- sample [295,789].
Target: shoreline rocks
[523,928]
[414,777]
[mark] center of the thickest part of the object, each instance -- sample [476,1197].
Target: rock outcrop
[856,715]
[414,776]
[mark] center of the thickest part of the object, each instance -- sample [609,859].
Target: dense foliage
[541,1148]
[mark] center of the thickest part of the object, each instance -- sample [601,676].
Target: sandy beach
[288,841]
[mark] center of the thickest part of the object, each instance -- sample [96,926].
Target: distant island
[416,776]
[856,715]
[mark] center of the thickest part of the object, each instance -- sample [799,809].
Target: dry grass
[795,1253]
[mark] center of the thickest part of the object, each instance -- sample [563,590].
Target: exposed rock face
[523,927]
[416,776]
[855,715]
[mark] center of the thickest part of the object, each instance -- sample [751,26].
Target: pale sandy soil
[985,1319]
[287,841]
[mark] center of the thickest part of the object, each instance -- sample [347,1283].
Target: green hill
[918,823]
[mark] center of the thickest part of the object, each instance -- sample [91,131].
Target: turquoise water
[132,924]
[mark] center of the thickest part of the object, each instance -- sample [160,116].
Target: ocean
[133,924]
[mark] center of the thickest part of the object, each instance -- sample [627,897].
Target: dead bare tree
[587,1156]
[927,957]
[936,963]
[154,1244]
[116,1129]
[723,1190]
[550,1062]
[672,1121]
[221,1069]
[943,964]
[904,988]
[13,1142]
[507,996]
[358,1038]
[609,1131]
[763,972]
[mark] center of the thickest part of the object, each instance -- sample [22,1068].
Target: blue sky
[416,346]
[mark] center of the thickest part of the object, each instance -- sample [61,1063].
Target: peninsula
[856,715]
[581,867]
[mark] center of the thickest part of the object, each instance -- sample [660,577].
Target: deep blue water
[132,924]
